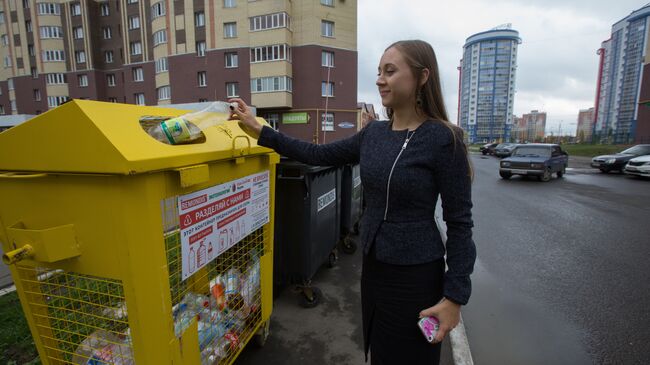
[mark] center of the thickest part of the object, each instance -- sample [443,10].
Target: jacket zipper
[390,175]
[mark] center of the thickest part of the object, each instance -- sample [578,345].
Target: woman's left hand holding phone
[448,313]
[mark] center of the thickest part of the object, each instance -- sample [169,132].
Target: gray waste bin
[351,193]
[307,225]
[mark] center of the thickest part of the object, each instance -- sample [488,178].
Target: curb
[458,337]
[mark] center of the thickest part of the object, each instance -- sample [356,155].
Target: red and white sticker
[214,219]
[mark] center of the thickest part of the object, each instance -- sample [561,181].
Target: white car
[639,166]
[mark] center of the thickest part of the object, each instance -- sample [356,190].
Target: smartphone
[429,327]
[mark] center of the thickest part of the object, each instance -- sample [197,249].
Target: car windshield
[637,150]
[532,151]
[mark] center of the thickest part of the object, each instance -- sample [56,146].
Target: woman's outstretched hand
[247,120]
[448,313]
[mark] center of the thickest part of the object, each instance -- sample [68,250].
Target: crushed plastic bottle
[186,129]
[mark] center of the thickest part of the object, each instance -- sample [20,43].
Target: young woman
[406,163]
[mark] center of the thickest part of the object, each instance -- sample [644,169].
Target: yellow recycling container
[126,250]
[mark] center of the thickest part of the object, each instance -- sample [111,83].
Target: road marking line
[7,290]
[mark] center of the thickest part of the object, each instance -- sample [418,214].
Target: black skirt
[392,297]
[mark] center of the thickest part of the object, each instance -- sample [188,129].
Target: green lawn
[591,150]
[16,344]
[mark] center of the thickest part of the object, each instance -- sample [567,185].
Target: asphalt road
[562,275]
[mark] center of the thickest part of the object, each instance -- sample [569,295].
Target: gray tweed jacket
[399,217]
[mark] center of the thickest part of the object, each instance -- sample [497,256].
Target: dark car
[488,149]
[535,159]
[617,161]
[504,149]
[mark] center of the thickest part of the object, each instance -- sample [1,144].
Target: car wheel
[604,171]
[484,153]
[546,176]
[505,175]
[561,172]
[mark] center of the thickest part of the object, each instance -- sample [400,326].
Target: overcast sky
[557,60]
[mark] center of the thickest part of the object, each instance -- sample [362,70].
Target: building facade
[619,79]
[487,84]
[296,61]
[529,128]
[585,125]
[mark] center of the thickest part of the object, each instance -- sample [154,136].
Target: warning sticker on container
[214,219]
[326,199]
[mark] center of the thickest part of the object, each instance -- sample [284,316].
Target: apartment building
[295,60]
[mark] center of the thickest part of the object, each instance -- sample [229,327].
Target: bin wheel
[349,246]
[332,259]
[262,334]
[310,297]
[355,228]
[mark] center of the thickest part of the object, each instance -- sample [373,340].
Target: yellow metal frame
[104,222]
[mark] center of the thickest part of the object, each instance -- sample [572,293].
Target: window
[55,79]
[108,33]
[80,56]
[2,109]
[28,26]
[112,100]
[30,50]
[161,65]
[327,59]
[199,19]
[229,3]
[200,48]
[75,9]
[83,80]
[157,10]
[51,32]
[49,9]
[5,40]
[327,28]
[230,30]
[26,4]
[327,2]
[138,74]
[269,21]
[110,80]
[164,93]
[232,59]
[271,84]
[139,98]
[108,56]
[160,37]
[232,89]
[271,53]
[327,88]
[327,122]
[13,105]
[7,61]
[2,17]
[53,55]
[54,101]
[134,22]
[202,79]
[131,1]
[136,48]
[34,73]
[10,84]
[77,32]
[104,9]
[273,119]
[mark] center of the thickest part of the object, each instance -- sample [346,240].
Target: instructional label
[214,219]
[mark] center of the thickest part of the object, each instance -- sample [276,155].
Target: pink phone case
[429,327]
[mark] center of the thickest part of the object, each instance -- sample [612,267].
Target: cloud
[557,61]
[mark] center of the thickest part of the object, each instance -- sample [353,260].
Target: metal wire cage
[224,296]
[80,319]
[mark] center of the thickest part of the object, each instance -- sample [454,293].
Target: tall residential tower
[487,84]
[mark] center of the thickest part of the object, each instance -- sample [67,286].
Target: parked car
[488,149]
[617,161]
[504,149]
[535,159]
[639,166]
